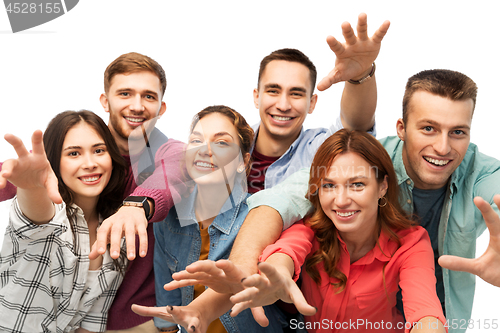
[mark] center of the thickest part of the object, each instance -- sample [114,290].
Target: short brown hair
[134,62]
[442,82]
[291,55]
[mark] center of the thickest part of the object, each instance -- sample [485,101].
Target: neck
[359,244]
[209,201]
[270,145]
[88,206]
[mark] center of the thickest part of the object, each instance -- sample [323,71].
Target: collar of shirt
[227,214]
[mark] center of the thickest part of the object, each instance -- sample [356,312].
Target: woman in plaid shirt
[47,282]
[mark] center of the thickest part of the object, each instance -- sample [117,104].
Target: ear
[163,108]
[104,102]
[400,128]
[312,105]
[256,98]
[244,164]
[383,187]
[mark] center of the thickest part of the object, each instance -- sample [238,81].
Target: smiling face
[349,194]
[132,100]
[436,137]
[284,98]
[85,165]
[213,151]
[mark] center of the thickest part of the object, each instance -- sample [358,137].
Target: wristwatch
[137,201]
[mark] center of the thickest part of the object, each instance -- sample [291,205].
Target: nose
[205,150]
[136,103]
[343,197]
[442,144]
[283,103]
[89,162]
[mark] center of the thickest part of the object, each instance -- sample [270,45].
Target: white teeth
[437,162]
[282,118]
[90,179]
[346,214]
[204,165]
[135,120]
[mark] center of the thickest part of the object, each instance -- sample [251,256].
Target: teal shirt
[460,224]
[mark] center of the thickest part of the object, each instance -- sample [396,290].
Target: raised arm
[35,180]
[355,62]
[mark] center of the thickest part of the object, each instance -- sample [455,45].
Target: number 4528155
[32,8]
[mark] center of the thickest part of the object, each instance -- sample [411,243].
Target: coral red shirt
[366,304]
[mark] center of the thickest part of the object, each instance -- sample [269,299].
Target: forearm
[36,205]
[428,325]
[261,228]
[282,262]
[358,104]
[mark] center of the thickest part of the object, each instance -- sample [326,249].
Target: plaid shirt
[44,284]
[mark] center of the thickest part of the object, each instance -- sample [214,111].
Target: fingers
[17,144]
[490,216]
[459,264]
[381,31]
[179,284]
[37,143]
[103,236]
[300,302]
[260,316]
[335,45]
[6,172]
[349,36]
[93,251]
[151,311]
[232,272]
[362,27]
[190,322]
[205,266]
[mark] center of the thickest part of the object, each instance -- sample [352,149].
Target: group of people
[113,225]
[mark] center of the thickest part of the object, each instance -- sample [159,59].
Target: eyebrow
[435,123]
[349,180]
[277,86]
[147,92]
[79,147]
[216,135]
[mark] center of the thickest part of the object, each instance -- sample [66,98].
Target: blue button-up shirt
[460,223]
[178,244]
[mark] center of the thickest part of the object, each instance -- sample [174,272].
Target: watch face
[136,199]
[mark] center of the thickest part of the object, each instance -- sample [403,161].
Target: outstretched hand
[487,266]
[268,287]
[356,56]
[222,276]
[128,222]
[30,170]
[181,315]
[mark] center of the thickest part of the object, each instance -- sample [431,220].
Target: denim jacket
[178,244]
[460,224]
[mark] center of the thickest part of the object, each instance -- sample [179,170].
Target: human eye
[125,94]
[195,141]
[73,153]
[100,150]
[357,186]
[458,132]
[428,128]
[328,186]
[222,143]
[150,97]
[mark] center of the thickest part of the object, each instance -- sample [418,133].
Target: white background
[211,51]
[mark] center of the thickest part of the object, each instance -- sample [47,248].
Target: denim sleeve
[164,266]
[288,198]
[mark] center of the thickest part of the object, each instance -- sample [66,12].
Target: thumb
[455,263]
[51,185]
[300,302]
